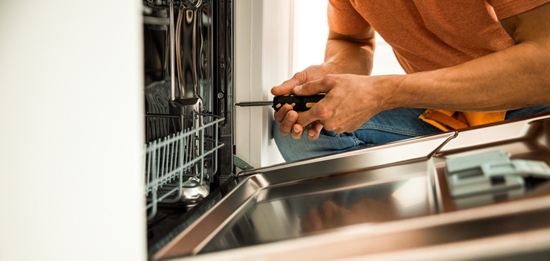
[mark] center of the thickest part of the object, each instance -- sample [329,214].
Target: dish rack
[180,166]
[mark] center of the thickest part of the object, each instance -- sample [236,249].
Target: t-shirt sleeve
[509,8]
[344,19]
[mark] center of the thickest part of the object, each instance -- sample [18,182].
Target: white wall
[276,63]
[262,60]
[310,33]
[310,37]
[71,135]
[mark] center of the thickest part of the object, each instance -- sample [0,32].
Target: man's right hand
[286,116]
[349,54]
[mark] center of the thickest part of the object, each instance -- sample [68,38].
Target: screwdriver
[298,103]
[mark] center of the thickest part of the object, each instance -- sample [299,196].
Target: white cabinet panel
[71,136]
[262,60]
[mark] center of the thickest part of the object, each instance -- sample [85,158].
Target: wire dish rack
[180,166]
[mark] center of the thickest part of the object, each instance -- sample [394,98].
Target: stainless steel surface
[525,139]
[172,53]
[196,236]
[178,52]
[495,134]
[402,159]
[193,190]
[194,57]
[187,88]
[191,4]
[192,54]
[298,210]
[495,232]
[355,204]
[387,154]
[254,103]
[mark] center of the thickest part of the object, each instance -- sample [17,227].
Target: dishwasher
[479,193]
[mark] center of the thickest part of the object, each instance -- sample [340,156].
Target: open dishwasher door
[389,202]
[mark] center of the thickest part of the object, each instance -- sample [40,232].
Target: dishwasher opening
[189,115]
[188,101]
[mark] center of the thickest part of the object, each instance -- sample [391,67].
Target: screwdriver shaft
[254,103]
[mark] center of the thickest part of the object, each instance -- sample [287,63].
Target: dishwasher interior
[399,196]
[188,57]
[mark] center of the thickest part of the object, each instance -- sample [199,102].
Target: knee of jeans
[527,111]
[304,148]
[288,147]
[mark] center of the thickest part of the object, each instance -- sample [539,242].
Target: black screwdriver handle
[299,103]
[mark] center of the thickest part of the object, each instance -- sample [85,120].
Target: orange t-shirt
[429,34]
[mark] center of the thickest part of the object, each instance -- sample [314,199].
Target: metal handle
[172,53]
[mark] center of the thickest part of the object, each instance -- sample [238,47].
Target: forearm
[513,78]
[350,54]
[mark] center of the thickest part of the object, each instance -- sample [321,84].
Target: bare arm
[513,78]
[351,54]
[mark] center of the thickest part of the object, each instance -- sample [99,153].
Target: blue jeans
[387,126]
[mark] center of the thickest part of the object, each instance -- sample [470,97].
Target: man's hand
[344,54]
[286,116]
[350,100]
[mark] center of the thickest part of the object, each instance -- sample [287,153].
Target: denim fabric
[387,126]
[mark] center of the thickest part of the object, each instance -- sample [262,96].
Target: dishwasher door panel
[322,205]
[387,201]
